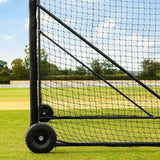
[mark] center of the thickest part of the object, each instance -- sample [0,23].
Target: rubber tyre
[45,111]
[41,138]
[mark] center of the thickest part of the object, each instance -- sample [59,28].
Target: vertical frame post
[33,62]
[39,55]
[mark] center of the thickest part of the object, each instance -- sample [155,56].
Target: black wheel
[41,138]
[45,111]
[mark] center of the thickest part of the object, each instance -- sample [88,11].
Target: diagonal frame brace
[99,51]
[96,74]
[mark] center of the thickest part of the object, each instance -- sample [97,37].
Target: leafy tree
[63,72]
[108,68]
[150,68]
[3,65]
[80,70]
[4,76]
[97,67]
[26,58]
[44,57]
[18,69]
[47,68]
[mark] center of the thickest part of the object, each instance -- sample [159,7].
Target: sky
[13,29]
[128,31]
[119,28]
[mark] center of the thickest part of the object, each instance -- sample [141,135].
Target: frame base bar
[111,144]
[99,117]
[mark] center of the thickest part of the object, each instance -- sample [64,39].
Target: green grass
[93,97]
[14,99]
[12,145]
[100,93]
[14,124]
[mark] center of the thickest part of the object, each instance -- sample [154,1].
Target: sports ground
[14,121]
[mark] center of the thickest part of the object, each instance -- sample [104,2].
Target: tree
[97,67]
[4,76]
[80,70]
[18,69]
[44,56]
[150,68]
[47,68]
[108,68]
[3,65]
[27,58]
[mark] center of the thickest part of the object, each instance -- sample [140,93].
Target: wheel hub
[41,138]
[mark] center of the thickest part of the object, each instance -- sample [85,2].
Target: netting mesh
[127,31]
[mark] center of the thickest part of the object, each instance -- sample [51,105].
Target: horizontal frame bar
[100,117]
[110,144]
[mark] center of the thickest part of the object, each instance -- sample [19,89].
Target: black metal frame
[34,30]
[33,61]
[110,144]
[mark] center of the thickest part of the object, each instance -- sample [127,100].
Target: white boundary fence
[76,83]
[16,84]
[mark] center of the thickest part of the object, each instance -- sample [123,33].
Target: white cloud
[132,50]
[134,44]
[127,51]
[8,37]
[105,27]
[3,1]
[27,23]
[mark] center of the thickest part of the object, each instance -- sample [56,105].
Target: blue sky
[128,28]
[128,31]
[13,29]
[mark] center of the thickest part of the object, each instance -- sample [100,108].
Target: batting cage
[95,73]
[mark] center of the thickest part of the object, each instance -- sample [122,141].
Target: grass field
[14,121]
[14,99]
[100,97]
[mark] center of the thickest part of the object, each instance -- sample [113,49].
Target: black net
[97,98]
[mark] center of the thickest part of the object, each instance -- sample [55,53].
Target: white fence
[16,84]
[76,83]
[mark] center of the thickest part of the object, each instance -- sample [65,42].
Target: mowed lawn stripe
[14,98]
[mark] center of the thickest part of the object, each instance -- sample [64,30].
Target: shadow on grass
[68,150]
